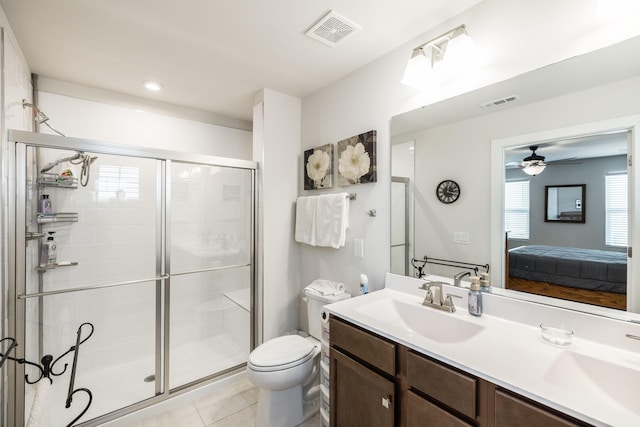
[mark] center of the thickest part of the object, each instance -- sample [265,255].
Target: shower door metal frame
[407,236]
[18,142]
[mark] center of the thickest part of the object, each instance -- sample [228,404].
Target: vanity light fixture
[152,86]
[452,51]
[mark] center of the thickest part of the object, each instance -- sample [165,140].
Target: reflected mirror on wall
[457,134]
[565,203]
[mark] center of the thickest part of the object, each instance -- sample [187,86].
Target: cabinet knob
[386,401]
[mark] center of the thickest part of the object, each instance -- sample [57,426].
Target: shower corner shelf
[43,269]
[57,217]
[53,180]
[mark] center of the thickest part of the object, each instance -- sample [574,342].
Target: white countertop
[595,380]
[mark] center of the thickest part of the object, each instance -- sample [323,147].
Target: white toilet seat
[281,353]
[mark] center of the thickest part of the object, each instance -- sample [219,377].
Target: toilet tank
[315,303]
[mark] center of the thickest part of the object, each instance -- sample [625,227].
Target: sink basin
[578,372]
[427,322]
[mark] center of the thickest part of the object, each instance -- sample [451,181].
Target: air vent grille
[501,101]
[331,29]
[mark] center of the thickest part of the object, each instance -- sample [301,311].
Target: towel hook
[371,212]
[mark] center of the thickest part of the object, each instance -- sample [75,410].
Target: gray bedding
[574,267]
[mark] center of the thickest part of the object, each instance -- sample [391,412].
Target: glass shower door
[210,267]
[104,271]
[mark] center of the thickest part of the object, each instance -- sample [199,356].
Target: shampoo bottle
[45,204]
[475,297]
[52,256]
[364,284]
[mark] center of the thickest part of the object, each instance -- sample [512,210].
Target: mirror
[564,203]
[469,139]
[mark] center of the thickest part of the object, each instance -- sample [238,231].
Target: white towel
[40,413]
[325,287]
[306,220]
[332,220]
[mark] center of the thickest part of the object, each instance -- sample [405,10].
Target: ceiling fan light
[534,169]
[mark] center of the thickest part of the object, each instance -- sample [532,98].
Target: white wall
[80,118]
[276,145]
[514,37]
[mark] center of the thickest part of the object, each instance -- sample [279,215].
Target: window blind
[516,209]
[616,213]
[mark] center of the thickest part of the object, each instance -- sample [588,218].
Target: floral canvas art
[357,159]
[318,167]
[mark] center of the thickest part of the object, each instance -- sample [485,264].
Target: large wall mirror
[581,116]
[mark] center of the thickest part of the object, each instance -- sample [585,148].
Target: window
[516,209]
[118,183]
[616,215]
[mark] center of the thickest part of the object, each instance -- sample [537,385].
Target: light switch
[461,237]
[358,248]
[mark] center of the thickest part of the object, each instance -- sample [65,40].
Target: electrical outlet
[358,248]
[461,237]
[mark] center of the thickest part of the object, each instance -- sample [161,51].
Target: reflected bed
[584,275]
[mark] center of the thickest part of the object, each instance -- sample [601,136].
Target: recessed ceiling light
[151,85]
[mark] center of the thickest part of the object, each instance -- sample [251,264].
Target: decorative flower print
[354,162]
[317,165]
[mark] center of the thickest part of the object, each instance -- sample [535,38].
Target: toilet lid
[282,352]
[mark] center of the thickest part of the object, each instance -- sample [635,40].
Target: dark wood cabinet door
[513,411]
[359,396]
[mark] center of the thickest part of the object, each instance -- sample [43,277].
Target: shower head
[51,165]
[40,117]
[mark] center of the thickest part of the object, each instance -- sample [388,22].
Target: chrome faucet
[458,277]
[435,298]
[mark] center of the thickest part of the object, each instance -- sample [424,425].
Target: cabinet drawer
[447,385]
[367,347]
[513,411]
[421,412]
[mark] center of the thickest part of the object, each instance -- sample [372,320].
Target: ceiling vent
[332,28]
[499,102]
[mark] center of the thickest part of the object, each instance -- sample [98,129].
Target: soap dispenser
[475,297]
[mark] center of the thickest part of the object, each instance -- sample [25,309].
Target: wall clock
[448,191]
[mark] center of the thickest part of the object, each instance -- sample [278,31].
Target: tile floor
[232,406]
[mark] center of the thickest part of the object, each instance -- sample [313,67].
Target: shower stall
[153,249]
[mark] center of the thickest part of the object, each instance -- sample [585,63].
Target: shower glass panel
[105,233]
[112,363]
[210,323]
[210,217]
[210,234]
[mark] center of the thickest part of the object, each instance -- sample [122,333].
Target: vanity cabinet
[362,377]
[377,382]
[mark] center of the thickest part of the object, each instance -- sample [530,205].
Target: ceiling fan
[534,163]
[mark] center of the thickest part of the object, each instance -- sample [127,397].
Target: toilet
[286,371]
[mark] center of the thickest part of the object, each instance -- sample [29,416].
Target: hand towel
[39,415]
[332,220]
[305,231]
[325,287]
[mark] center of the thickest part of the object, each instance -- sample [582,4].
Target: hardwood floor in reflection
[603,299]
